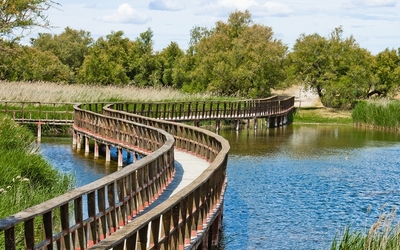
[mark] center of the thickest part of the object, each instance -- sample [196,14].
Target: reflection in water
[297,187]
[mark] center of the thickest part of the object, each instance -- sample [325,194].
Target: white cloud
[237,4]
[277,9]
[224,7]
[126,14]
[166,5]
[380,3]
[90,6]
[370,4]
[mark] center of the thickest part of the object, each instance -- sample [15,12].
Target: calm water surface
[296,187]
[288,188]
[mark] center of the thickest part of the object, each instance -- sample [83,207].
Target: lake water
[288,188]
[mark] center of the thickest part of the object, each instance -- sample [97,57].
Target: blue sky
[375,24]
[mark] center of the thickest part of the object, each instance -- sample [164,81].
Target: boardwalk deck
[187,168]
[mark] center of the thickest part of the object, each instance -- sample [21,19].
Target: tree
[336,68]
[23,15]
[387,71]
[169,58]
[23,63]
[108,61]
[234,58]
[71,47]
[145,65]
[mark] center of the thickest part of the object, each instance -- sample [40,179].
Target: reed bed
[382,235]
[58,92]
[382,113]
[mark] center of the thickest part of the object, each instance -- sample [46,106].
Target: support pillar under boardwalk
[120,157]
[217,124]
[108,153]
[74,134]
[96,149]
[39,131]
[87,149]
[78,141]
[237,124]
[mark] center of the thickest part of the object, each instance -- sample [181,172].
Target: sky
[375,24]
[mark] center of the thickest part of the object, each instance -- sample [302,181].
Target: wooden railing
[111,201]
[210,110]
[185,218]
[109,220]
[62,113]
[37,112]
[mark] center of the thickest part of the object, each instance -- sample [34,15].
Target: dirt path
[302,98]
[307,99]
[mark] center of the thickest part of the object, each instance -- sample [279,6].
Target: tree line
[235,58]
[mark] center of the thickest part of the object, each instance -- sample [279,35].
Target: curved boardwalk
[172,198]
[187,168]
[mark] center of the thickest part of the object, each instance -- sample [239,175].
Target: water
[60,153]
[288,188]
[297,187]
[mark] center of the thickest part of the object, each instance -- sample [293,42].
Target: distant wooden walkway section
[139,206]
[275,109]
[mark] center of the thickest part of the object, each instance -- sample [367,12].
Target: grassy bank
[26,179]
[382,114]
[322,115]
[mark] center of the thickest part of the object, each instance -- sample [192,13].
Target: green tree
[108,61]
[71,47]
[387,71]
[23,63]
[169,58]
[336,68]
[146,68]
[234,58]
[23,15]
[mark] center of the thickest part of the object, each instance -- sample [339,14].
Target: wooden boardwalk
[187,168]
[172,198]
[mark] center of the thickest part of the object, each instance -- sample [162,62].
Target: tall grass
[55,92]
[382,235]
[26,179]
[381,113]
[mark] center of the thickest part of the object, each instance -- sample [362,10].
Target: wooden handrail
[109,212]
[61,113]
[113,201]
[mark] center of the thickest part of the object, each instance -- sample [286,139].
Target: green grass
[322,115]
[26,179]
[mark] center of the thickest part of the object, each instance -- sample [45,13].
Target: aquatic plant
[382,235]
[382,113]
